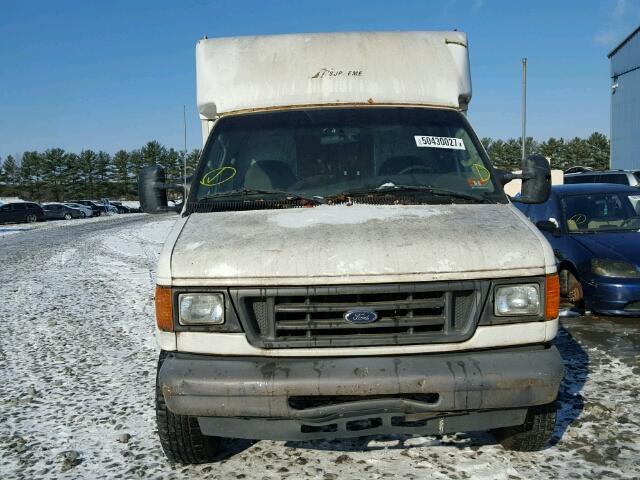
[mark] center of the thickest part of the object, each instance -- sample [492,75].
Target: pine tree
[31,176]
[10,171]
[87,173]
[73,180]
[103,173]
[121,173]
[554,149]
[599,149]
[153,153]
[136,162]
[52,166]
[192,161]
[173,164]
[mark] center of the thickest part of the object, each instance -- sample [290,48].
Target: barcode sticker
[439,142]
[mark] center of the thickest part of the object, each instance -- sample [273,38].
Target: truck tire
[534,434]
[180,435]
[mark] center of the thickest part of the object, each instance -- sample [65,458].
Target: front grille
[414,313]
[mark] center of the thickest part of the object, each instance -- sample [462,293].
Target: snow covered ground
[13,228]
[77,366]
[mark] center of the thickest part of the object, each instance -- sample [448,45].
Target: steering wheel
[411,168]
[579,218]
[629,220]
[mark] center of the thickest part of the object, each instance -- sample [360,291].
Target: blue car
[594,230]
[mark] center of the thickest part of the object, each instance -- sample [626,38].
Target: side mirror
[536,179]
[548,226]
[152,190]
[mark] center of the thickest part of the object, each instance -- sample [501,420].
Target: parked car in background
[111,209]
[60,211]
[594,230]
[122,208]
[88,211]
[620,177]
[578,169]
[97,208]
[19,212]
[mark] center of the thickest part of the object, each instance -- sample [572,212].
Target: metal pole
[524,107]
[184,156]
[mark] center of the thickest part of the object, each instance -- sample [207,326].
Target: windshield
[325,152]
[600,212]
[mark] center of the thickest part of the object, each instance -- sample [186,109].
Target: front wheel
[180,435]
[67,216]
[574,289]
[31,218]
[534,434]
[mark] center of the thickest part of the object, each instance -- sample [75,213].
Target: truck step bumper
[280,398]
[362,425]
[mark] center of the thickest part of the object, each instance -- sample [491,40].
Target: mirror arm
[168,186]
[506,177]
[172,186]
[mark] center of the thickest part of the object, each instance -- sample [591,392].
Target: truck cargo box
[402,68]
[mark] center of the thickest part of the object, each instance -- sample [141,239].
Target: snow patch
[350,215]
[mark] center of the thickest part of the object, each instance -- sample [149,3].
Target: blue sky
[115,74]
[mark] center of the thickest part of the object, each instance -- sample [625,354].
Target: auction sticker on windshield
[439,142]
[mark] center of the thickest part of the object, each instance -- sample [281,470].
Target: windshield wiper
[432,191]
[250,192]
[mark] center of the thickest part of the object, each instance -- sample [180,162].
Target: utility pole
[184,155]
[524,107]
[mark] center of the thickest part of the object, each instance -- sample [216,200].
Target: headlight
[517,300]
[614,268]
[201,308]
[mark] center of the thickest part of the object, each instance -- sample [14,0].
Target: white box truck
[346,262]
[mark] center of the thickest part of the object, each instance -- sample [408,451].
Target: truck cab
[346,262]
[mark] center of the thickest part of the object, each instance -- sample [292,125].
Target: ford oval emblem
[361,316]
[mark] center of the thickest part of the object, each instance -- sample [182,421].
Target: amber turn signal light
[552,297]
[164,309]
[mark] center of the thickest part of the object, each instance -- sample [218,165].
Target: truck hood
[355,244]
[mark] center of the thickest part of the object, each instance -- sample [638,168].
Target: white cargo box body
[239,74]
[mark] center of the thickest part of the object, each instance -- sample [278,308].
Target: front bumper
[620,297]
[300,398]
